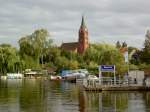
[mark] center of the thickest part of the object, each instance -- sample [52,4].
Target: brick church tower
[83,42]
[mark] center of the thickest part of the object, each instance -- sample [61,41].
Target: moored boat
[55,77]
[14,76]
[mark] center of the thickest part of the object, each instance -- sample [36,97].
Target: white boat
[3,77]
[92,77]
[55,77]
[14,76]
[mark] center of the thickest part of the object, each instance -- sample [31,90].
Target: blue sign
[107,68]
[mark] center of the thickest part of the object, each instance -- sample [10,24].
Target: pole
[127,60]
[42,60]
[128,67]
[100,75]
[114,75]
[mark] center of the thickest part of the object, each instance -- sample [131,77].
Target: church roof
[72,46]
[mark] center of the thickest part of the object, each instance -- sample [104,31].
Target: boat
[33,73]
[73,77]
[14,76]
[55,78]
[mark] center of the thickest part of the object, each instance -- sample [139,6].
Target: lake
[37,95]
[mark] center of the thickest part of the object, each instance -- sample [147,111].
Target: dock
[95,85]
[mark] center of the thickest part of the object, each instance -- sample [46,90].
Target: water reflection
[117,101]
[31,98]
[44,96]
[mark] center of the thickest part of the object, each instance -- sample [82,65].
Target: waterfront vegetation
[37,51]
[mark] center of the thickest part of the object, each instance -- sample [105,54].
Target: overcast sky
[107,20]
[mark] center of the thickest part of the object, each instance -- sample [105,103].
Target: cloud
[107,20]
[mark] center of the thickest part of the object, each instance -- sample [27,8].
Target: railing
[108,82]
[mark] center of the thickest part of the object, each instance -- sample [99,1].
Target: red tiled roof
[70,46]
[123,50]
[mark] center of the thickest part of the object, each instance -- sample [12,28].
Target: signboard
[107,68]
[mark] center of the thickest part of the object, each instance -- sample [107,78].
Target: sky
[108,21]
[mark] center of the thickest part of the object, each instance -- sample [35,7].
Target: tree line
[37,51]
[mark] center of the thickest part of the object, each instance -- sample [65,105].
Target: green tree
[9,59]
[118,45]
[104,54]
[35,46]
[124,44]
[73,64]
[145,56]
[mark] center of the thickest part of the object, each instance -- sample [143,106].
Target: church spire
[83,42]
[83,23]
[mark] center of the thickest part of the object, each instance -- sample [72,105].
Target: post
[100,75]
[42,60]
[114,75]
[136,77]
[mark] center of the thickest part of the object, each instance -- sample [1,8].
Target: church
[83,41]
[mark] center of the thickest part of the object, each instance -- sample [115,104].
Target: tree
[35,46]
[147,41]
[9,59]
[40,40]
[104,54]
[73,64]
[145,55]
[124,44]
[118,45]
